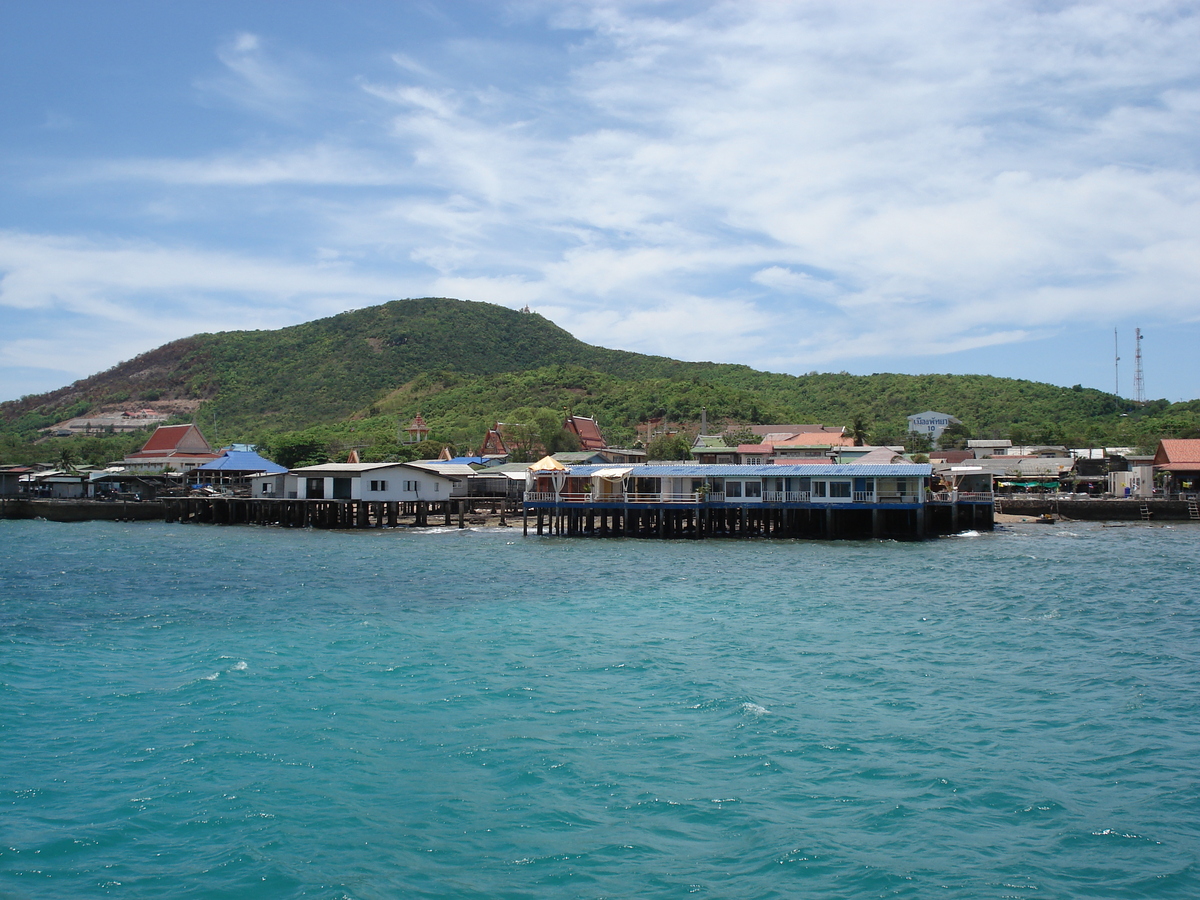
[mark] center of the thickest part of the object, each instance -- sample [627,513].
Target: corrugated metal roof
[241,461]
[458,470]
[343,469]
[847,470]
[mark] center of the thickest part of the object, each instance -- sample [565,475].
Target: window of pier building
[753,488]
[840,489]
[733,489]
[378,486]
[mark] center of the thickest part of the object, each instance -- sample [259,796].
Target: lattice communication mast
[1139,382]
[1116,366]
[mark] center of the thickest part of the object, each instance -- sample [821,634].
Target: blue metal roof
[241,461]
[844,470]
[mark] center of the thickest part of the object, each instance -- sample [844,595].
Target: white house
[461,473]
[357,481]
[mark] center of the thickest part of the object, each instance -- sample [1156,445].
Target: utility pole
[1139,381]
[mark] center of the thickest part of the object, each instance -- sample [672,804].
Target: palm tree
[67,459]
[858,431]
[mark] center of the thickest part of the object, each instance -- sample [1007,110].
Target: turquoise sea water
[224,712]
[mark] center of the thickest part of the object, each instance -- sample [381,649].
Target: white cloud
[321,164]
[106,300]
[800,183]
[253,80]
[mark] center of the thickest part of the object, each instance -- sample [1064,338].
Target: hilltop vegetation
[348,379]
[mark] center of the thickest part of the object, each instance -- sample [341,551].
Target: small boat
[1046,519]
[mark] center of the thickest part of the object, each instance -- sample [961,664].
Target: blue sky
[986,187]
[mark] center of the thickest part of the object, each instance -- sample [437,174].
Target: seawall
[81,510]
[1096,510]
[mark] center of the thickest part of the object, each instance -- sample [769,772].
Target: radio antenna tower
[1116,366]
[1139,382]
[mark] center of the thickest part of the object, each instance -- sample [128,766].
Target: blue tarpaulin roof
[241,461]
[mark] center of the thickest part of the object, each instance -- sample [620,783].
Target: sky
[1006,188]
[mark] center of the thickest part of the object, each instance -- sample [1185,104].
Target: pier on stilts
[819,501]
[347,514]
[700,521]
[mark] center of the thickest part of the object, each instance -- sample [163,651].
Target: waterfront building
[10,479]
[384,482]
[694,499]
[1179,463]
[234,469]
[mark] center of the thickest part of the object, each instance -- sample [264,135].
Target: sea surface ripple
[225,712]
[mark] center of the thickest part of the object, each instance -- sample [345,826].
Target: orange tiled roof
[1176,453]
[816,439]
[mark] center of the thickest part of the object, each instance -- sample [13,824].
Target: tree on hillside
[917,442]
[428,449]
[669,446]
[740,435]
[954,437]
[389,450]
[298,449]
[538,431]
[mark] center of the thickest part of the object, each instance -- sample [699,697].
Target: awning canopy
[547,464]
[613,474]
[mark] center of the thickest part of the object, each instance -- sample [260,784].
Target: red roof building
[587,431]
[178,448]
[1180,460]
[494,443]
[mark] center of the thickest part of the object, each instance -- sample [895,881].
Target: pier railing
[767,497]
[664,497]
[786,496]
[587,497]
[959,497]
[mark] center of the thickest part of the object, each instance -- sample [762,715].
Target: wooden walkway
[314,513]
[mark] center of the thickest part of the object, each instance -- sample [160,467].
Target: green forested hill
[463,365]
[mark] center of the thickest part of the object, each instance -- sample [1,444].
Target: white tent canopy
[615,474]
